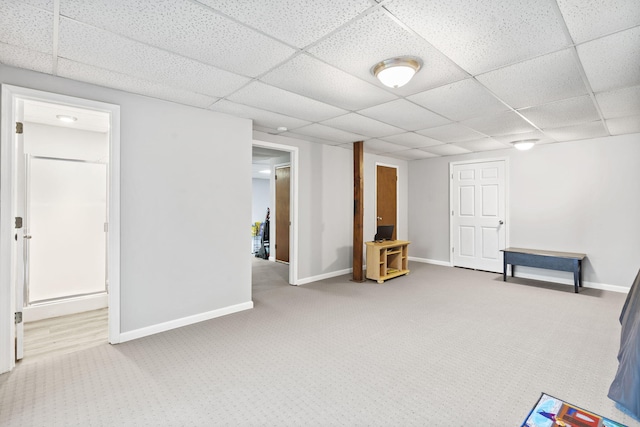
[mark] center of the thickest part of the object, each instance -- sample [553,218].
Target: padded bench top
[572,255]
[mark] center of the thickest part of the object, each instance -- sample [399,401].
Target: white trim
[507,209]
[375,195]
[184,321]
[562,281]
[430,261]
[10,95]
[324,276]
[64,307]
[294,157]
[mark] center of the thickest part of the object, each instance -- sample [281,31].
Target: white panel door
[478,215]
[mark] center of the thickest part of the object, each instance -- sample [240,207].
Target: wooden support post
[358,210]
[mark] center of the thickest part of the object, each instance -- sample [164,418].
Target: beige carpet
[440,347]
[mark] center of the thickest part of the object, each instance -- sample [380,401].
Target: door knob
[379,218]
[501,222]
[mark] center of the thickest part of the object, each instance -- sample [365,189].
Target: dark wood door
[282,213]
[386,197]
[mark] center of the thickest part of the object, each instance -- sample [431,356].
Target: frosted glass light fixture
[396,72]
[66,119]
[524,144]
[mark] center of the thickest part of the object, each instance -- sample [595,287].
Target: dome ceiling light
[396,72]
[525,144]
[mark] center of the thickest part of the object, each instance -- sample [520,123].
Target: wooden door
[282,213]
[478,215]
[387,197]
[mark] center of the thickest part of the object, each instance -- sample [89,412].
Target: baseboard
[64,307]
[561,281]
[430,261]
[185,321]
[324,276]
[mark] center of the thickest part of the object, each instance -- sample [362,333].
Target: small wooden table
[562,261]
[388,259]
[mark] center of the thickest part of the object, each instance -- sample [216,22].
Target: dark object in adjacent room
[384,232]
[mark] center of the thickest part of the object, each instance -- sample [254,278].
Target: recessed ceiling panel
[484,35]
[412,154]
[377,146]
[78,43]
[315,79]
[362,125]
[454,101]
[405,115]
[265,119]
[623,125]
[24,58]
[298,23]
[106,78]
[445,150]
[619,103]
[453,132]
[412,139]
[500,124]
[25,26]
[572,133]
[537,81]
[589,19]
[278,100]
[612,62]
[567,112]
[330,134]
[484,144]
[376,37]
[185,28]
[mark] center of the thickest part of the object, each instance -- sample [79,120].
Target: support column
[358,210]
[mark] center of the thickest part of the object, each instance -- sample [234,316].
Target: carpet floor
[441,346]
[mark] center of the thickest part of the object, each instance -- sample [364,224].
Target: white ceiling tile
[362,125]
[612,62]
[562,113]
[537,81]
[453,132]
[78,43]
[308,138]
[412,140]
[106,78]
[313,78]
[328,133]
[404,114]
[377,146]
[484,35]
[500,124]
[624,125]
[538,135]
[185,28]
[484,144]
[589,19]
[261,118]
[619,103]
[445,150]
[411,155]
[24,26]
[24,58]
[376,37]
[298,23]
[278,100]
[454,101]
[572,133]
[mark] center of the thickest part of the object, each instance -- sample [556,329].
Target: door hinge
[18,222]
[18,317]
[106,227]
[451,213]
[18,127]
[453,250]
[451,176]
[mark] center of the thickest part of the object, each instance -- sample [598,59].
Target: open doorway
[271,160]
[62,204]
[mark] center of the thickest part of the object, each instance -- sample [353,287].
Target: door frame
[506,198]
[293,205]
[375,195]
[10,97]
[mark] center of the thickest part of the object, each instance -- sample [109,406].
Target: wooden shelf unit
[387,259]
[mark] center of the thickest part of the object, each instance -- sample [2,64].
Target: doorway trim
[274,211]
[10,97]
[375,195]
[293,217]
[506,198]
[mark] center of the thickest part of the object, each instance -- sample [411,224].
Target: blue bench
[562,261]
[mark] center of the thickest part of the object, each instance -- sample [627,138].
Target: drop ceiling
[494,71]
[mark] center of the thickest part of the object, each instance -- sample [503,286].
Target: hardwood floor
[64,334]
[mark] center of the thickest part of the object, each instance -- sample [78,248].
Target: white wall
[260,199]
[184,213]
[579,196]
[326,204]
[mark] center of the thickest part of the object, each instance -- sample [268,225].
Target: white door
[478,209]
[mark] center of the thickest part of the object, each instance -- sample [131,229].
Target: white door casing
[478,214]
